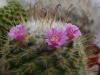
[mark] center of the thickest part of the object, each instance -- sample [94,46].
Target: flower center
[18,31]
[54,38]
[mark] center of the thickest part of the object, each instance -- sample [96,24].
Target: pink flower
[56,37]
[18,32]
[72,31]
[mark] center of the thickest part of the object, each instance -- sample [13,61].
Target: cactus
[10,15]
[35,57]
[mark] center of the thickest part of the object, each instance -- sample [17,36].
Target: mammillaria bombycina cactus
[49,54]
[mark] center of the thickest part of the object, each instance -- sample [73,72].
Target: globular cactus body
[41,60]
